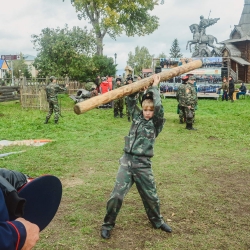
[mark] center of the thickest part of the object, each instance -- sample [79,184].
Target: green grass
[202,176]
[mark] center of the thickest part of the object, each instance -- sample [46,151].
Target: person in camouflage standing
[190,103]
[52,89]
[135,164]
[180,96]
[118,103]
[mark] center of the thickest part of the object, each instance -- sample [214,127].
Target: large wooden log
[128,89]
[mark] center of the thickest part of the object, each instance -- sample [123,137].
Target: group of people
[228,88]
[135,167]
[186,96]
[119,103]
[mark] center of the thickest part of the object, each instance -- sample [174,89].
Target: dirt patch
[213,138]
[223,205]
[72,182]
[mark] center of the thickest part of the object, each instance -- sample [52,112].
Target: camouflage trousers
[127,109]
[134,169]
[118,106]
[182,114]
[53,106]
[188,119]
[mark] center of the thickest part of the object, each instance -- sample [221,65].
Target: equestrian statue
[201,40]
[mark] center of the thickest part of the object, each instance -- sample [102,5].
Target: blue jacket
[12,233]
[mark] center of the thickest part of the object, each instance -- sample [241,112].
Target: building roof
[244,22]
[241,32]
[240,61]
[3,64]
[233,51]
[242,39]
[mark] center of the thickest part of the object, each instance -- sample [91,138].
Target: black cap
[148,95]
[118,79]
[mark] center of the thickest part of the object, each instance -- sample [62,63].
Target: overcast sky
[21,19]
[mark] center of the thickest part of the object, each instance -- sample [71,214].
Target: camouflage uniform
[135,164]
[52,90]
[129,78]
[118,104]
[180,96]
[190,100]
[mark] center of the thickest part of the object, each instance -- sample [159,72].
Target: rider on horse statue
[204,23]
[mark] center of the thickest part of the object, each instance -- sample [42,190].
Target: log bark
[125,90]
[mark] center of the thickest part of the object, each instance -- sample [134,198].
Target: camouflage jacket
[142,134]
[116,86]
[52,90]
[191,96]
[181,94]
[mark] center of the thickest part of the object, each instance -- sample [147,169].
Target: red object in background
[110,79]
[104,87]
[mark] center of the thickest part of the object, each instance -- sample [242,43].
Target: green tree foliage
[161,55]
[64,51]
[104,66]
[175,50]
[141,59]
[113,17]
[20,67]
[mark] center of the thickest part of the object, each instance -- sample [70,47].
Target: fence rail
[31,92]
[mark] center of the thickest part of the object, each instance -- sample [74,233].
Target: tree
[140,60]
[104,66]
[161,55]
[175,50]
[113,17]
[61,49]
[20,67]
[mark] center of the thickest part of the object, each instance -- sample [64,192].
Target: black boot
[46,121]
[115,114]
[165,227]
[190,126]
[105,233]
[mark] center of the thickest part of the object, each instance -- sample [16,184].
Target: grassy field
[202,176]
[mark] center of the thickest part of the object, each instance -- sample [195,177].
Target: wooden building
[3,68]
[236,50]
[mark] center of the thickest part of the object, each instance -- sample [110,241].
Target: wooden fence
[31,92]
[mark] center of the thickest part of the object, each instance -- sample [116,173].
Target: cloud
[28,17]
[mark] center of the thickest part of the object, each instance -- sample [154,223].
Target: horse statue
[203,41]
